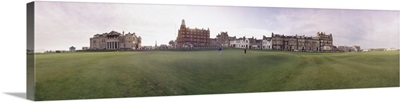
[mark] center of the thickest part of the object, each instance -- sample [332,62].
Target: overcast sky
[59,25]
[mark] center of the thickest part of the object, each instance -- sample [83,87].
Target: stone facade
[188,37]
[115,41]
[213,42]
[320,43]
[254,43]
[223,39]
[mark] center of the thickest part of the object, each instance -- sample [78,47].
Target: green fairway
[159,73]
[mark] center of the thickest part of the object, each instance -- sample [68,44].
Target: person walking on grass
[220,50]
[244,50]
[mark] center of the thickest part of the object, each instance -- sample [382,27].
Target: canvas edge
[30,57]
[30,88]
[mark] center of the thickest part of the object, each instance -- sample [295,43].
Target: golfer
[220,50]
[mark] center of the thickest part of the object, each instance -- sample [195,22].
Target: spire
[183,25]
[183,22]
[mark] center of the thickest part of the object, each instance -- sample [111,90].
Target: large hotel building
[188,37]
[115,41]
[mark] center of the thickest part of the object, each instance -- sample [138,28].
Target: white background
[13,48]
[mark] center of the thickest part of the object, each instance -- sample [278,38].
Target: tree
[171,43]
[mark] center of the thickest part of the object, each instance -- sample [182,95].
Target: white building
[391,49]
[240,43]
[365,50]
[267,43]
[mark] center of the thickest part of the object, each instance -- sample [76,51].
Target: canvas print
[110,50]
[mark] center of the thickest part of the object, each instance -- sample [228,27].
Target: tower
[183,25]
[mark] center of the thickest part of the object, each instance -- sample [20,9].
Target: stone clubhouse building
[115,41]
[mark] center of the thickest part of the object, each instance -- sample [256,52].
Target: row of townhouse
[200,38]
[320,43]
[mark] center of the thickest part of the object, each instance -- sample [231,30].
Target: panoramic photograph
[113,50]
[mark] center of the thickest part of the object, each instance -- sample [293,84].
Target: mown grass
[161,73]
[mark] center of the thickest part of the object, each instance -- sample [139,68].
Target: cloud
[367,28]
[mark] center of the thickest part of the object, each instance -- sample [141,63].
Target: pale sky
[59,25]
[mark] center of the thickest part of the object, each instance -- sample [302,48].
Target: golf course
[84,75]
